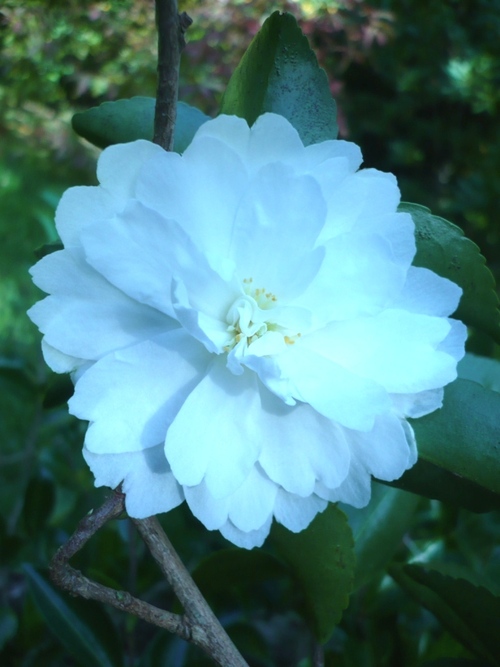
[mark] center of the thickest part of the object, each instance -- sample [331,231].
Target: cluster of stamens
[243,326]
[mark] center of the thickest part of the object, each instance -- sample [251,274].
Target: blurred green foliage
[417,86]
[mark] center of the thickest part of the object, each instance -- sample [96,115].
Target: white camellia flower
[244,326]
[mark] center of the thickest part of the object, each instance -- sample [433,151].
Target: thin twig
[171,29]
[208,633]
[198,625]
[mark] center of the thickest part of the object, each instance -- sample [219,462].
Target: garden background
[418,88]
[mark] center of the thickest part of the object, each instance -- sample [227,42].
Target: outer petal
[427,293]
[396,349]
[384,452]
[58,361]
[132,395]
[300,446]
[117,170]
[148,483]
[296,513]
[214,435]
[366,193]
[146,252]
[87,317]
[248,508]
[243,539]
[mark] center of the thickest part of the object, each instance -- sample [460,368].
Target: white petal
[58,361]
[148,482]
[300,446]
[454,343]
[140,252]
[232,130]
[273,139]
[427,293]
[366,193]
[296,513]
[246,540]
[117,169]
[132,395]
[251,506]
[82,206]
[358,276]
[333,391]
[396,349]
[201,194]
[214,435]
[417,405]
[119,166]
[87,317]
[276,226]
[248,508]
[321,159]
[384,452]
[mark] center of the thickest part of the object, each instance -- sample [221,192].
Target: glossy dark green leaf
[379,528]
[279,73]
[83,627]
[459,449]
[469,611]
[230,573]
[128,120]
[322,561]
[443,248]
[482,370]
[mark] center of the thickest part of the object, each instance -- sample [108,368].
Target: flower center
[251,318]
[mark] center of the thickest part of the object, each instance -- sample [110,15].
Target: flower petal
[148,482]
[427,293]
[117,171]
[300,446]
[248,508]
[86,317]
[397,349]
[146,252]
[296,513]
[352,400]
[131,396]
[276,200]
[367,193]
[246,540]
[384,452]
[214,435]
[201,195]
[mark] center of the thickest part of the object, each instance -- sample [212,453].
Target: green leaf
[279,73]
[443,248]
[469,611]
[128,120]
[379,528]
[83,627]
[459,449]
[322,561]
[243,573]
[482,370]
